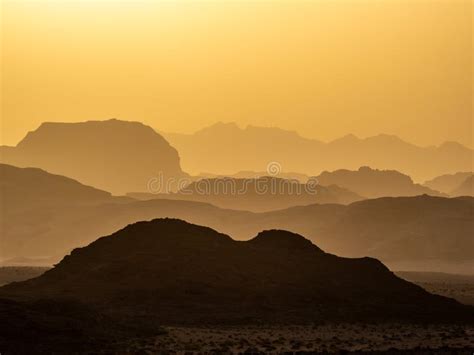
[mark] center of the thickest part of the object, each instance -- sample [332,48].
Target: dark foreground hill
[182,273]
[66,327]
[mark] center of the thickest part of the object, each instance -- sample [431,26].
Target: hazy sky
[322,68]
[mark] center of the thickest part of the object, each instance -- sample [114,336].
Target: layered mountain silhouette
[248,174]
[466,188]
[423,231]
[27,188]
[184,273]
[259,194]
[449,182]
[373,183]
[113,155]
[225,148]
[33,201]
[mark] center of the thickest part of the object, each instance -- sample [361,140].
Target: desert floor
[331,338]
[322,338]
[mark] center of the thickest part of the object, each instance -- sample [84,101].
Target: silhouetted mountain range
[466,188]
[224,148]
[27,188]
[184,273]
[113,155]
[34,201]
[373,183]
[248,174]
[449,182]
[426,232]
[258,194]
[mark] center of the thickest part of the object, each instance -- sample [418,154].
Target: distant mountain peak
[452,146]
[347,139]
[113,155]
[384,138]
[219,127]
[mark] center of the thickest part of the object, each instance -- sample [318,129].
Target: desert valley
[269,259]
[236,177]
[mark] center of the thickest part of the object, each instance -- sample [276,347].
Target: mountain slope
[227,148]
[44,218]
[373,183]
[466,188]
[183,273]
[447,183]
[113,155]
[258,194]
[24,188]
[34,202]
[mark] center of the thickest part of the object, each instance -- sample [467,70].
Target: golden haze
[323,68]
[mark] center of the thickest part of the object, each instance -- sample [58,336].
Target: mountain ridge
[139,269]
[113,155]
[260,194]
[374,183]
[250,150]
[381,227]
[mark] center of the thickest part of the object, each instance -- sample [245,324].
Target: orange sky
[323,68]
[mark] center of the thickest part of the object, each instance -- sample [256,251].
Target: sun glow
[323,68]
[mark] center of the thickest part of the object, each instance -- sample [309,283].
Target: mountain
[410,233]
[447,183]
[374,183]
[26,188]
[225,148]
[257,195]
[33,201]
[247,174]
[113,155]
[182,273]
[466,188]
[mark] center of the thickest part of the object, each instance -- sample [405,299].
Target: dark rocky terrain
[187,274]
[10,274]
[170,286]
[460,287]
[67,327]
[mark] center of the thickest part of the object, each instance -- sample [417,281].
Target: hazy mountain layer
[258,194]
[447,183]
[466,188]
[373,183]
[183,273]
[113,155]
[224,148]
[424,232]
